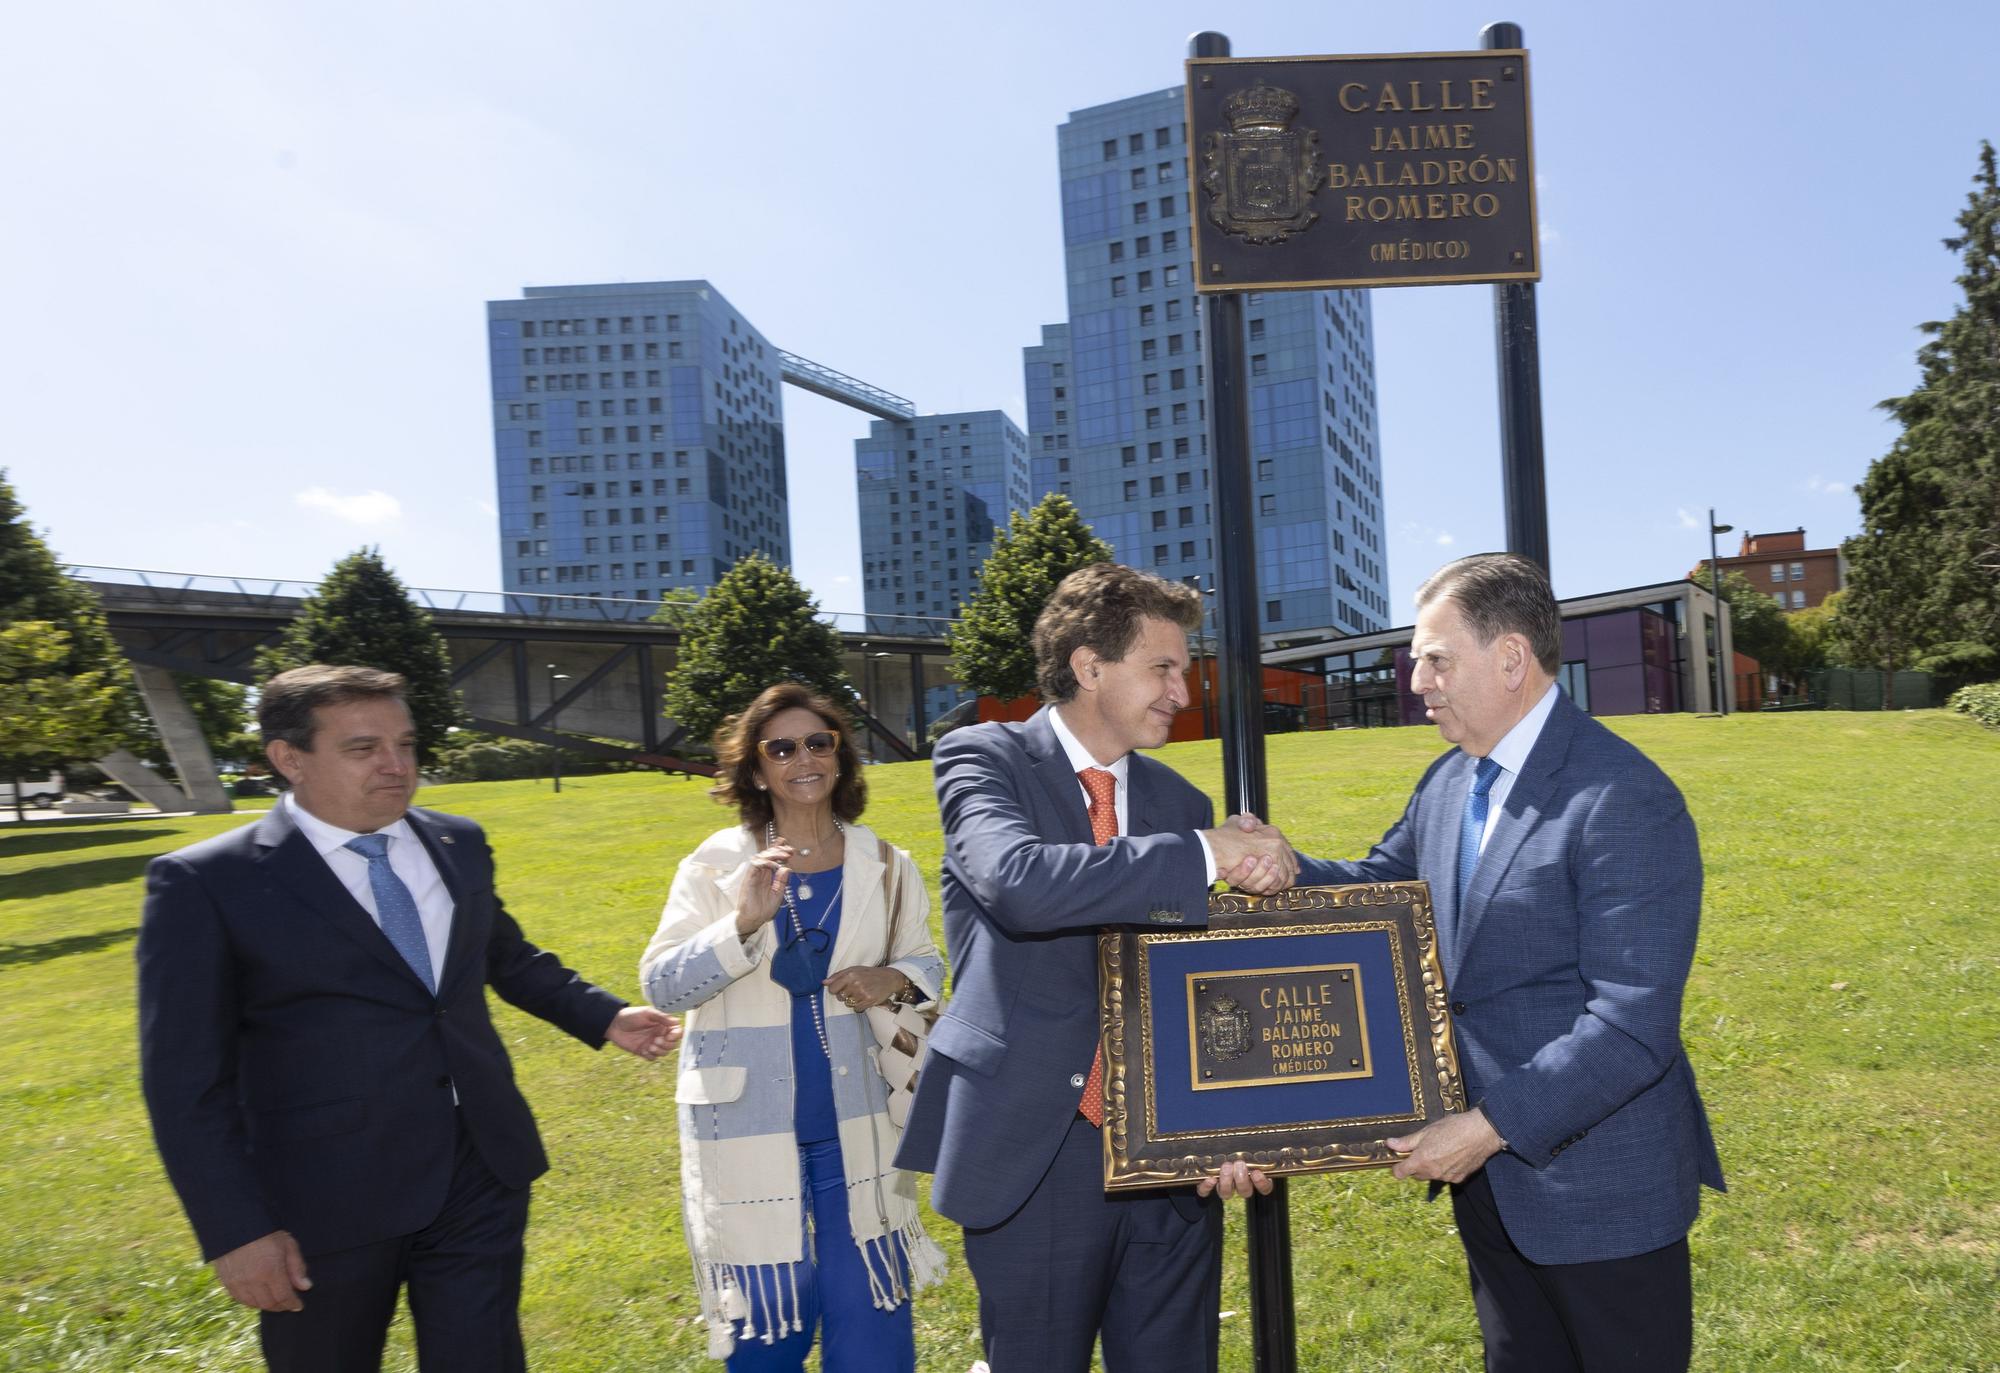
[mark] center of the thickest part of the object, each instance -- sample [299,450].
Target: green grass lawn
[1842,1018]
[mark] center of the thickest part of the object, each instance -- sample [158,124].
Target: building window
[1159,519]
[1148,349]
[1170,240]
[1798,572]
[1118,252]
[1138,177]
[1141,213]
[1798,600]
[1267,505]
[1162,137]
[1159,554]
[1263,469]
[1132,490]
[1256,328]
[1110,150]
[1777,572]
[1145,281]
[1274,610]
[1172,276]
[1127,457]
[1259,364]
[1164,173]
[1118,286]
[1135,143]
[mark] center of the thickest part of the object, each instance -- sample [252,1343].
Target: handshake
[1252,856]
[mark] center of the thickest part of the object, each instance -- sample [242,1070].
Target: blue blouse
[813,1115]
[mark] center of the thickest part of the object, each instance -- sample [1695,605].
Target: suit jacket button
[444,1079]
[1076,1081]
[1458,1008]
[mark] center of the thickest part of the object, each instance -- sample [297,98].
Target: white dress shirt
[408,859]
[1080,758]
[1511,753]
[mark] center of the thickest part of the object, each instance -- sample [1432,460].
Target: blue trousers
[834,1296]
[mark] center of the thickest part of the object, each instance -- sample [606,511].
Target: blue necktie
[1473,827]
[396,907]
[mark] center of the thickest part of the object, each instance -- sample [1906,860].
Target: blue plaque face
[1298,1033]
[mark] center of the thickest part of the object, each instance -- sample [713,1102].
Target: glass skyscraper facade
[1116,398]
[931,491]
[638,439]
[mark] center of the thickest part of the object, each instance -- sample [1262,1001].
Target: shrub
[1981,702]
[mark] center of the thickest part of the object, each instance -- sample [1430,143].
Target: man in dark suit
[1566,881]
[1053,829]
[326,1087]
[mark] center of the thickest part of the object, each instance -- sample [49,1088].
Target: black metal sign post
[1319,172]
[1526,497]
[1274,1334]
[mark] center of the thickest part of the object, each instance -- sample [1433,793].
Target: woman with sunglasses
[780,932]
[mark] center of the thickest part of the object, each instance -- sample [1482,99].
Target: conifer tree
[1925,570]
[362,616]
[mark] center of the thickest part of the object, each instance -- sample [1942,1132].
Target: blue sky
[248,246]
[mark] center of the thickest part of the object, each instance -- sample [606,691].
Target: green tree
[1925,570]
[1757,627]
[33,588]
[46,711]
[755,627]
[992,645]
[362,616]
[677,603]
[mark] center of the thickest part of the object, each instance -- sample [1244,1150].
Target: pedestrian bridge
[569,671]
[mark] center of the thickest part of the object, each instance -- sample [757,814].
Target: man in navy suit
[326,1087]
[1053,829]
[1566,881]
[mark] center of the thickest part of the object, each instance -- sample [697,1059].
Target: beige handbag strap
[892,886]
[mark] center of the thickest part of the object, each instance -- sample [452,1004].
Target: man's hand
[1235,1179]
[643,1031]
[267,1273]
[1448,1150]
[1253,855]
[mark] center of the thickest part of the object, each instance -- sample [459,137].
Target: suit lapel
[461,947]
[1051,766]
[1527,801]
[293,861]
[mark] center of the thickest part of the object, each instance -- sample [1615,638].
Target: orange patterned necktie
[1103,789]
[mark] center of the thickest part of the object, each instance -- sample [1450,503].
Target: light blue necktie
[396,907]
[1473,827]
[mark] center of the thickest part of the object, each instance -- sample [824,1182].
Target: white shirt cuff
[1207,857]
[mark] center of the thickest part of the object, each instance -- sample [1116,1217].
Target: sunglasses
[818,744]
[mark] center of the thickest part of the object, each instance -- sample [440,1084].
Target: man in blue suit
[327,1090]
[1566,880]
[1053,829]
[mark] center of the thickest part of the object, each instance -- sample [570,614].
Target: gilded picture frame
[1298,1033]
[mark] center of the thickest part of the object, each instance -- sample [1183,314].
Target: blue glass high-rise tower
[638,439]
[1117,411]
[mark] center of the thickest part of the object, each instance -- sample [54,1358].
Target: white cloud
[1819,485]
[487,508]
[1688,520]
[1446,539]
[368,507]
[843,580]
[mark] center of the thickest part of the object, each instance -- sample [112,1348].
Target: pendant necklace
[805,879]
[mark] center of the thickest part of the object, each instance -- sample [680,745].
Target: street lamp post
[1715,590]
[555,764]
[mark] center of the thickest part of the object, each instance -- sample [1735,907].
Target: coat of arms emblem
[1225,1029]
[1260,176]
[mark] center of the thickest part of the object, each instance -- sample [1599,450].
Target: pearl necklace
[799,931]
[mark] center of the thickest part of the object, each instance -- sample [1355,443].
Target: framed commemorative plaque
[1298,1033]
